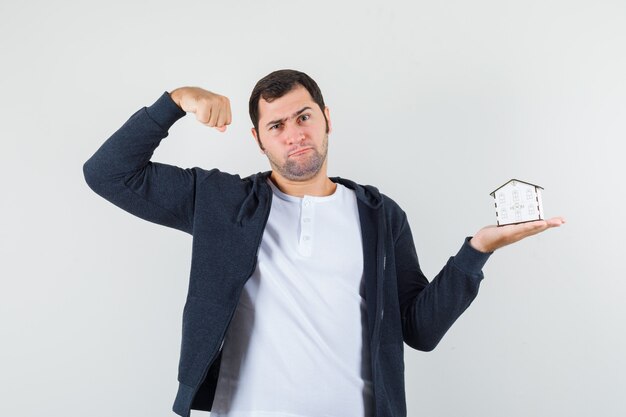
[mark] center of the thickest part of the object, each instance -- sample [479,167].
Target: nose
[293,133]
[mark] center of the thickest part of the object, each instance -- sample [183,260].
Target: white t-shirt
[295,346]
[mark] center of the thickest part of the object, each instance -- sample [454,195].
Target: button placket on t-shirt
[307,216]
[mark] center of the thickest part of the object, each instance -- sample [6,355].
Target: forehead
[286,105]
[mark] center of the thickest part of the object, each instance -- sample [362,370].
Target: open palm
[490,238]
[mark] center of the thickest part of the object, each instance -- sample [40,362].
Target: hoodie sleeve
[121,171]
[429,309]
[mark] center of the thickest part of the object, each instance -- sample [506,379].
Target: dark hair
[279,83]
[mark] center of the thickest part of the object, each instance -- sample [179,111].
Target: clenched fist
[210,109]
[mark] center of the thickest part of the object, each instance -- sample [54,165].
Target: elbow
[90,177]
[419,334]
[423,345]
[427,347]
[422,338]
[100,181]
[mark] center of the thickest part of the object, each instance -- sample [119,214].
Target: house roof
[513,179]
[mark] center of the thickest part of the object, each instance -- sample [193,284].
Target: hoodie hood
[368,194]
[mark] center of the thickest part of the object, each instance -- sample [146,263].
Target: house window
[529,194]
[515,195]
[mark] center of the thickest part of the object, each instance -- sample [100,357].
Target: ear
[327,113]
[258,141]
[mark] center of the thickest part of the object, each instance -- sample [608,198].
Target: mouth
[299,152]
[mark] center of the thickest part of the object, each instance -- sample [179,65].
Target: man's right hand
[211,109]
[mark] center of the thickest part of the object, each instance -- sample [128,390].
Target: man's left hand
[490,238]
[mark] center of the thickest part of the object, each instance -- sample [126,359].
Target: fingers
[214,119]
[555,221]
[229,117]
[532,228]
[521,231]
[213,110]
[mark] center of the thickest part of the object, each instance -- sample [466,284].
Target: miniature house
[517,202]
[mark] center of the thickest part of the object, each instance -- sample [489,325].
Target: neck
[319,186]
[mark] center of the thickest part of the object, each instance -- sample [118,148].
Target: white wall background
[436,103]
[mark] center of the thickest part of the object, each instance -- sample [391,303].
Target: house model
[517,202]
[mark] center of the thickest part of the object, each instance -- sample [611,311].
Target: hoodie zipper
[232,313]
[380,308]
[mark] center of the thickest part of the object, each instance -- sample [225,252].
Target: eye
[273,126]
[305,117]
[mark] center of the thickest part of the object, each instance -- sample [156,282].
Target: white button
[306,237]
[306,220]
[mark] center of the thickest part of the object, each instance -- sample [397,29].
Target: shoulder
[395,216]
[221,177]
[225,186]
[371,196]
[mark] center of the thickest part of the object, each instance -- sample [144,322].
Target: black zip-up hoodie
[226,215]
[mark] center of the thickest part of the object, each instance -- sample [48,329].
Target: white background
[435,103]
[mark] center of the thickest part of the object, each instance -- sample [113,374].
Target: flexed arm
[121,170]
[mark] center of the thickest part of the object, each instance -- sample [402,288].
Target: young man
[303,288]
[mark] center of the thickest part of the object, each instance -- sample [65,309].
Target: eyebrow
[283,119]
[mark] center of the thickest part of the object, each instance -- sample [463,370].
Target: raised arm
[121,170]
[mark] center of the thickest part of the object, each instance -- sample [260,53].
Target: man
[303,288]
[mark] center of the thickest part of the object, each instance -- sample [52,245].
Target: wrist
[469,259]
[176,95]
[479,246]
